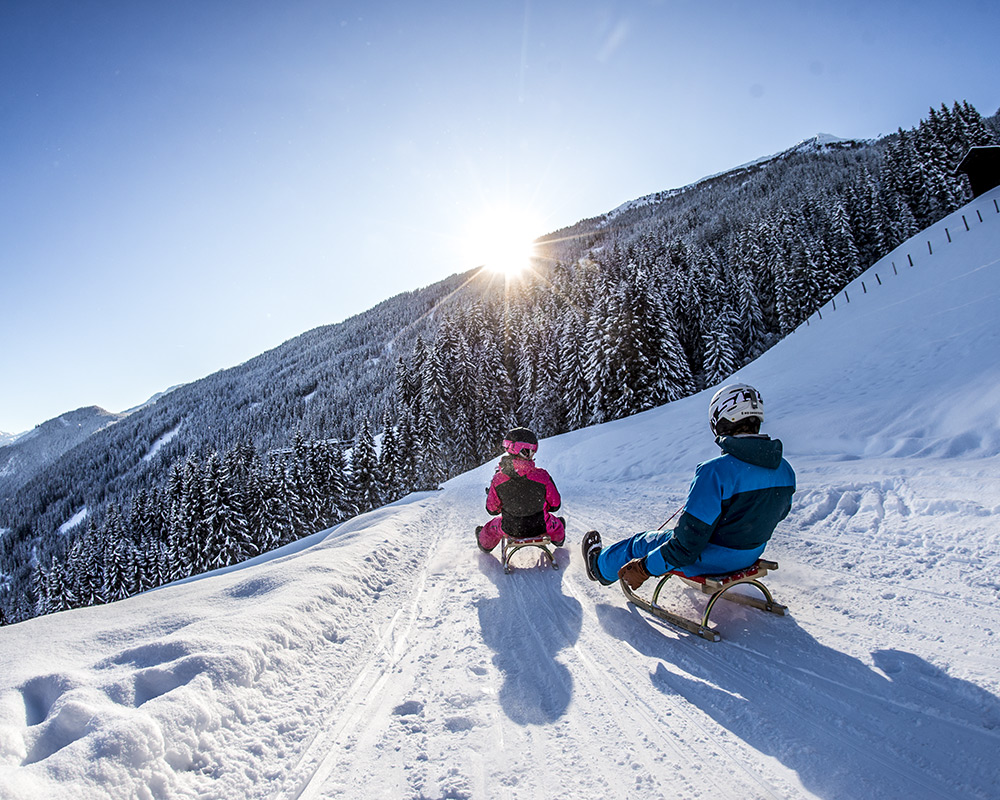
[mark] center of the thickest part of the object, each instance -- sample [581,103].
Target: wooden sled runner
[509,545]
[717,586]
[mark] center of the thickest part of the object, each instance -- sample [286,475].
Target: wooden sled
[510,545]
[717,586]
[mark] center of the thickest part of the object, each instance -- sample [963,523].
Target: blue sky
[184,185]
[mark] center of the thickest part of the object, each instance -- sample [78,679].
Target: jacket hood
[759,450]
[510,465]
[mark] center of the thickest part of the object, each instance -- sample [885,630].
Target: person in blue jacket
[734,503]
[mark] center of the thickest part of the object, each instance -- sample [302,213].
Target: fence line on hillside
[909,257]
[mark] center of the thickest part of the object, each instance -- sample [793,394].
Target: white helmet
[733,403]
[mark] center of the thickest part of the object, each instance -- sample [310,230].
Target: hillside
[317,383]
[387,657]
[33,451]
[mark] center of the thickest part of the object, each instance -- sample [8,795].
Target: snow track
[542,684]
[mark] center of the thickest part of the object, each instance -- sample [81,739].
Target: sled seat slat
[710,584]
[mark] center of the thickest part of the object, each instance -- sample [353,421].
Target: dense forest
[649,303]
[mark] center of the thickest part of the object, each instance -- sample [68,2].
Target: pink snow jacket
[523,493]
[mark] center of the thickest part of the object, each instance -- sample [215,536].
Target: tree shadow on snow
[899,727]
[526,626]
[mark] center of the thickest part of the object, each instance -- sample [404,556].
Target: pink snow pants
[491,534]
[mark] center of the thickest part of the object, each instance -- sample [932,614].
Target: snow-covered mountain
[8,438]
[817,143]
[388,658]
[31,452]
[152,400]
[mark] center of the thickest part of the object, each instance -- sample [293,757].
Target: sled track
[608,676]
[316,761]
[807,680]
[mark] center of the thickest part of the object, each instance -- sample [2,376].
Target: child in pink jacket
[523,495]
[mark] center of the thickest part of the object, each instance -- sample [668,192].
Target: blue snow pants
[714,559]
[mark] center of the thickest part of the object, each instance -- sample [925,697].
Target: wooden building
[982,165]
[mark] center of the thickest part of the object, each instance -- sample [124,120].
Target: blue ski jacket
[736,500]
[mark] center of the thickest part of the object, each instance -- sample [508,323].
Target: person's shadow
[898,728]
[526,626]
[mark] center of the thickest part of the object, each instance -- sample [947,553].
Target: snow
[388,657]
[164,440]
[9,438]
[73,521]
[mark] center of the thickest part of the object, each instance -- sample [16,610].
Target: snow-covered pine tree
[366,481]
[191,535]
[722,356]
[493,384]
[572,377]
[117,556]
[388,460]
[228,538]
[406,449]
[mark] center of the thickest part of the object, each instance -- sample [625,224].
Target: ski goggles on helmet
[518,448]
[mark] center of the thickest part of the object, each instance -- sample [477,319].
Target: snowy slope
[821,141]
[389,658]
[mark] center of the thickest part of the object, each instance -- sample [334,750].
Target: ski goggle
[515,448]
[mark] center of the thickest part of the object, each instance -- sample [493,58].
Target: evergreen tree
[364,467]
[721,348]
[117,556]
[228,538]
[572,376]
[388,461]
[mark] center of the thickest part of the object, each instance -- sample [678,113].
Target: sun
[502,240]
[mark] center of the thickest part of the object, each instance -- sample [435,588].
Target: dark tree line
[213,512]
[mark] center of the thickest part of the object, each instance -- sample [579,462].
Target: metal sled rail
[717,586]
[510,545]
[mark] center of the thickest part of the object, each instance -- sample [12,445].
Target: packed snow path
[389,658]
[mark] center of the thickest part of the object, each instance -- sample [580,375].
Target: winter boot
[479,544]
[591,547]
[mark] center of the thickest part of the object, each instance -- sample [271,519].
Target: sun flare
[503,241]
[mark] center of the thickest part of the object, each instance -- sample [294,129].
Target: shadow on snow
[526,626]
[898,728]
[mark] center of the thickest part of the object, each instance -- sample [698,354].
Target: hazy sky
[184,185]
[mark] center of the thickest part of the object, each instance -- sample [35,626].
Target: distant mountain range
[25,455]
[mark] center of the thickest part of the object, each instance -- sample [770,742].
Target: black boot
[591,547]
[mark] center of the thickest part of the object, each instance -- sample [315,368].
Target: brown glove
[634,573]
